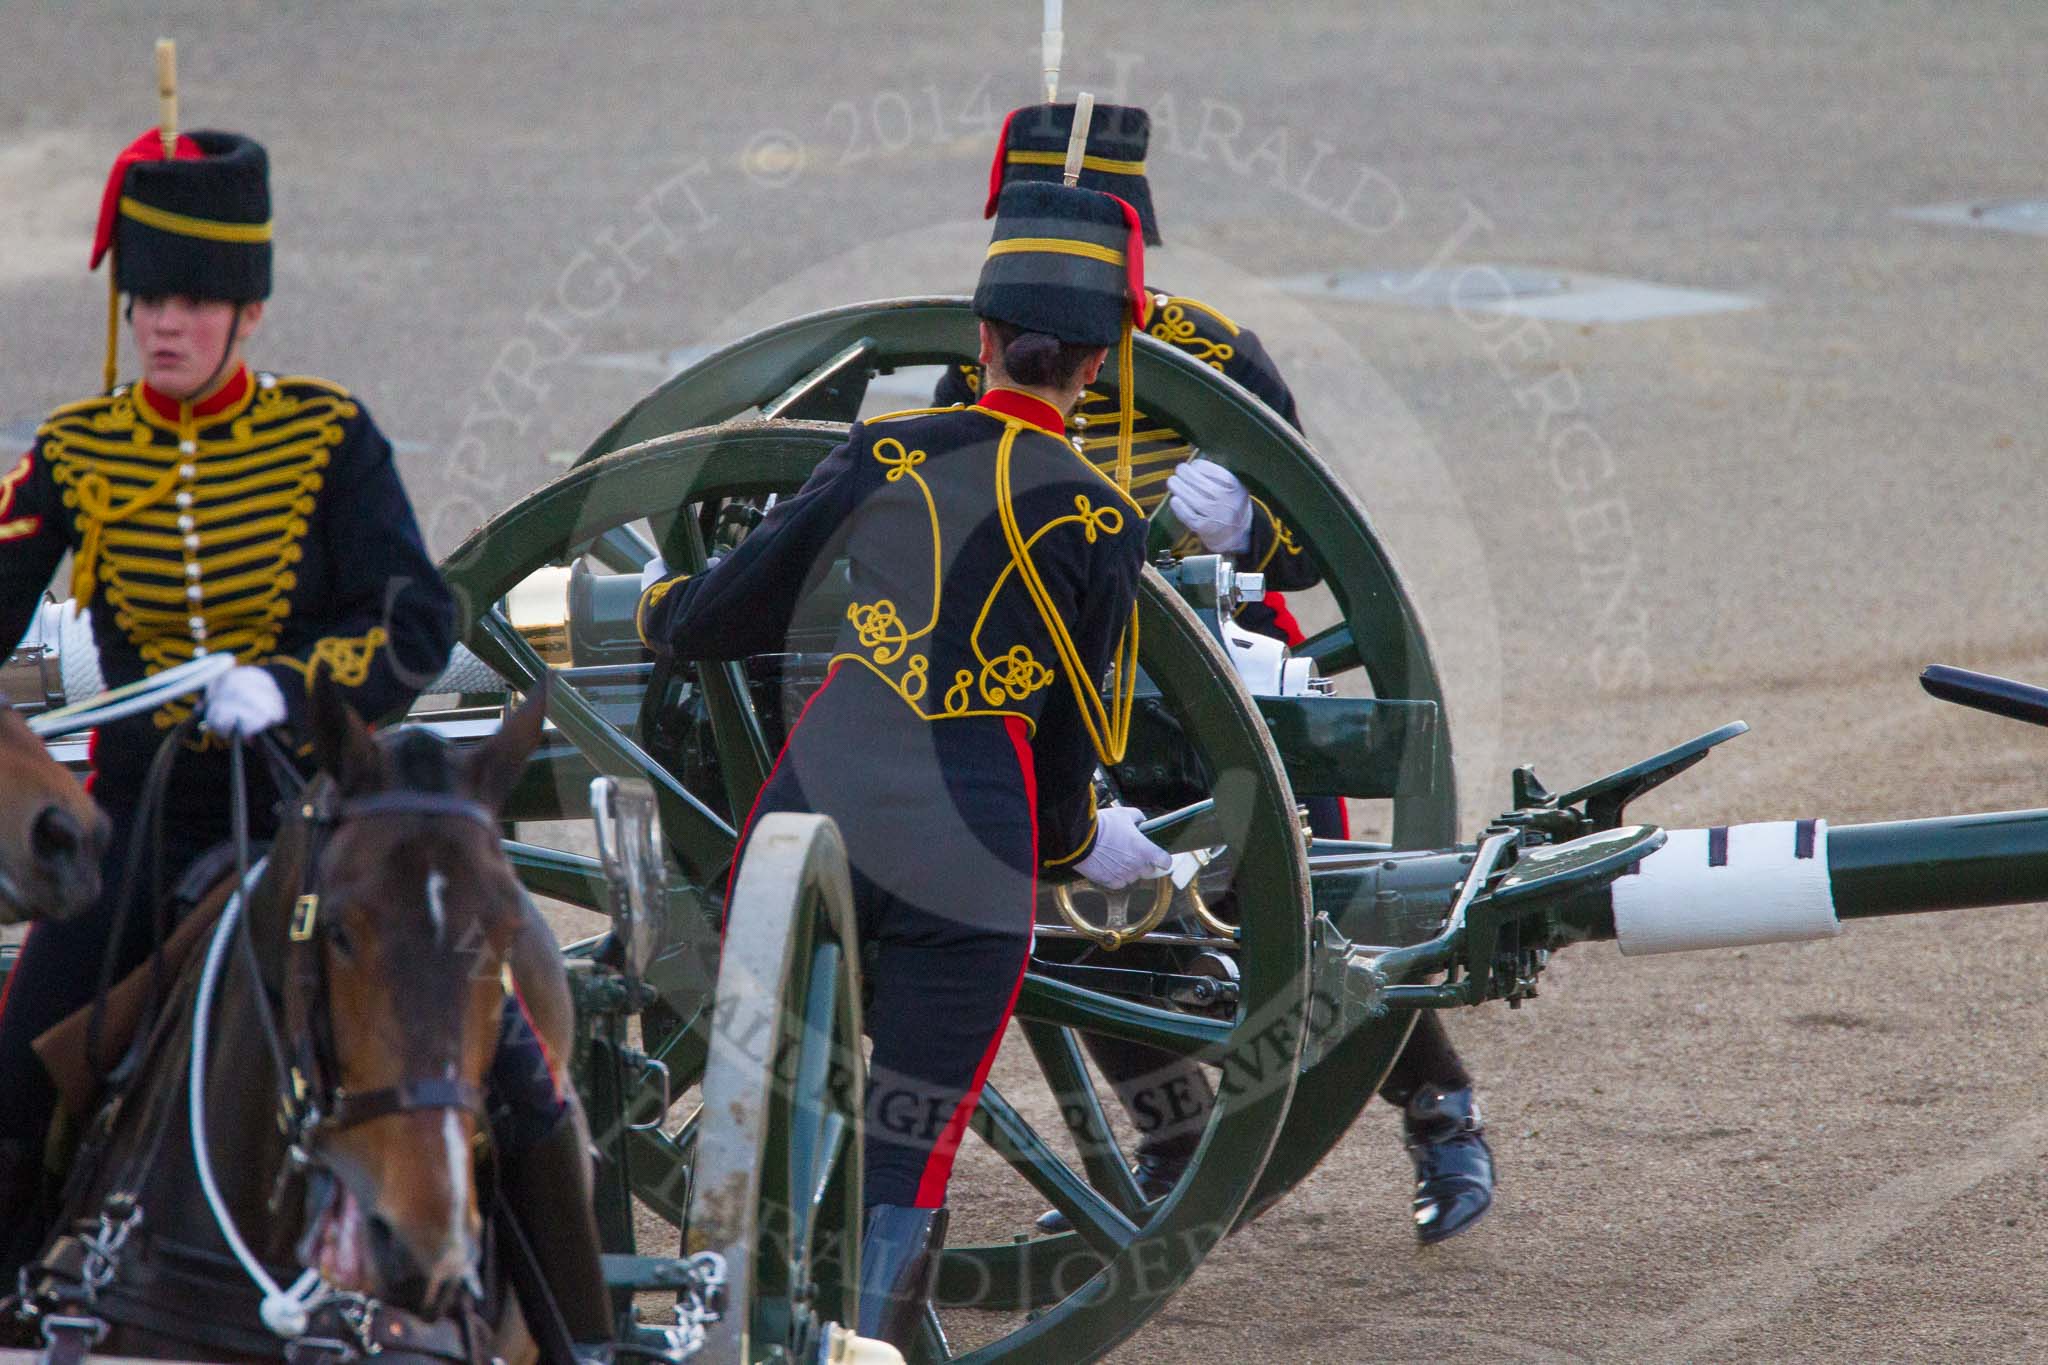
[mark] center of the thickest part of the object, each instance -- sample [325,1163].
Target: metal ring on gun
[1210,920]
[1114,935]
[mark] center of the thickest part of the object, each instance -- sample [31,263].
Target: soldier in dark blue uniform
[1429,1084]
[209,509]
[993,573]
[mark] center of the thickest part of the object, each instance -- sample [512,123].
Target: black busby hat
[1033,147]
[1064,261]
[197,223]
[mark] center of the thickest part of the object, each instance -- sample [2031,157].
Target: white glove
[1211,502]
[245,700]
[1121,854]
[657,569]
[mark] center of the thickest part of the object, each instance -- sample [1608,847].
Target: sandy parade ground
[1689,362]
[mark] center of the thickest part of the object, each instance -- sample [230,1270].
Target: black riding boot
[547,1193]
[899,1264]
[1453,1164]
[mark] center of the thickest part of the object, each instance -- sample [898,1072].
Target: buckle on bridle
[305,916]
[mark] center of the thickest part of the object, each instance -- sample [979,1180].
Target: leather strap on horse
[432,1092]
[245,936]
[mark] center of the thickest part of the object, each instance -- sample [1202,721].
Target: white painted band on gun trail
[1728,887]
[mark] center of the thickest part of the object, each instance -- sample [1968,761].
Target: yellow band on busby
[184,225]
[1062,246]
[1104,164]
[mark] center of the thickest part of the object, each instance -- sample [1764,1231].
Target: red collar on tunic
[1025,408]
[220,400]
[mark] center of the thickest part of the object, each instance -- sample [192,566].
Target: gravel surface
[495,222]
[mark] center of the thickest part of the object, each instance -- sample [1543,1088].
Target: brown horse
[52,836]
[389,924]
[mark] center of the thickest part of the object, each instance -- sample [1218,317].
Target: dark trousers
[938,824]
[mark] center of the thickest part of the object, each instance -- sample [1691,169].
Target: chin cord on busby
[185,214]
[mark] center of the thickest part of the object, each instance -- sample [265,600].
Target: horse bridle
[315,1106]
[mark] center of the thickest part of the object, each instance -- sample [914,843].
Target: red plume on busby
[148,147]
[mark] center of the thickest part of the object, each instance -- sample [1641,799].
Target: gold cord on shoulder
[1176,328]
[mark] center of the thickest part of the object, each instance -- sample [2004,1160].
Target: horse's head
[400,972]
[51,834]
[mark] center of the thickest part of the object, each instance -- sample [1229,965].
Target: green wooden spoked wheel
[1125,1257]
[776,1189]
[819,366]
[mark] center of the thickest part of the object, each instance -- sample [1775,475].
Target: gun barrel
[1950,862]
[1891,867]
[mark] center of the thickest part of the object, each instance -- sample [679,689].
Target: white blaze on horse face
[458,1184]
[437,882]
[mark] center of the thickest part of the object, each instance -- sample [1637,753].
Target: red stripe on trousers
[938,1167]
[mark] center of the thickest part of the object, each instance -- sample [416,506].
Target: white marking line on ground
[2029,216]
[1522,291]
[1703,1326]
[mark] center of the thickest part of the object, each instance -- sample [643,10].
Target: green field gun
[723,1080]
